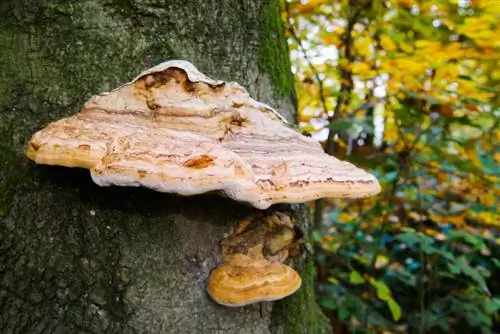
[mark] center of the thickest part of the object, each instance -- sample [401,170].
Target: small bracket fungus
[242,280]
[253,270]
[173,129]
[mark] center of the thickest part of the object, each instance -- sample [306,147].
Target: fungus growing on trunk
[253,269]
[173,129]
[242,280]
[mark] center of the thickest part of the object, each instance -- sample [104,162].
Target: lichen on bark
[76,258]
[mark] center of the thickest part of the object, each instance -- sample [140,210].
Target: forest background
[408,90]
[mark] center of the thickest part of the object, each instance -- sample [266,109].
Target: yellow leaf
[488,218]
[381,261]
[332,39]
[406,47]
[428,45]
[456,220]
[387,43]
[363,46]
[333,280]
[361,68]
[339,31]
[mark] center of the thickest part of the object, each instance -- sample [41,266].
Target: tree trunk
[77,258]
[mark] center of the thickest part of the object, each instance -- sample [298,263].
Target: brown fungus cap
[172,129]
[242,280]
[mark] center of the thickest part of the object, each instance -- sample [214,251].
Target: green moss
[273,54]
[300,313]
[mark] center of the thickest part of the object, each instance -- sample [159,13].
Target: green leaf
[492,305]
[390,14]
[453,268]
[341,125]
[490,165]
[383,291]
[408,238]
[430,99]
[343,314]
[355,278]
[463,264]
[394,308]
[465,77]
[473,240]
[329,304]
[481,208]
[447,255]
[429,250]
[406,277]
[493,89]
[316,236]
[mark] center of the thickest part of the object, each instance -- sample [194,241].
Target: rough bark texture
[77,258]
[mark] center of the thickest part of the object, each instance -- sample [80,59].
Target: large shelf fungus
[173,129]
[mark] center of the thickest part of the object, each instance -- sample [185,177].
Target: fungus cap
[173,129]
[242,280]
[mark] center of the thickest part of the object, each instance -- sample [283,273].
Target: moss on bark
[77,258]
[300,313]
[273,52]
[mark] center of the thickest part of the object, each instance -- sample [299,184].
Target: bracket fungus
[173,129]
[253,270]
[242,280]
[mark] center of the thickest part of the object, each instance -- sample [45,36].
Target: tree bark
[77,258]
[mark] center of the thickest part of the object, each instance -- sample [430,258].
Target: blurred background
[409,91]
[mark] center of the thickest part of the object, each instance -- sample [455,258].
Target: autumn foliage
[409,90]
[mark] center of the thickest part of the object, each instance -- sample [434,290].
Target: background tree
[409,89]
[76,258]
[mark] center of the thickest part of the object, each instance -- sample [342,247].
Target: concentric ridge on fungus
[172,129]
